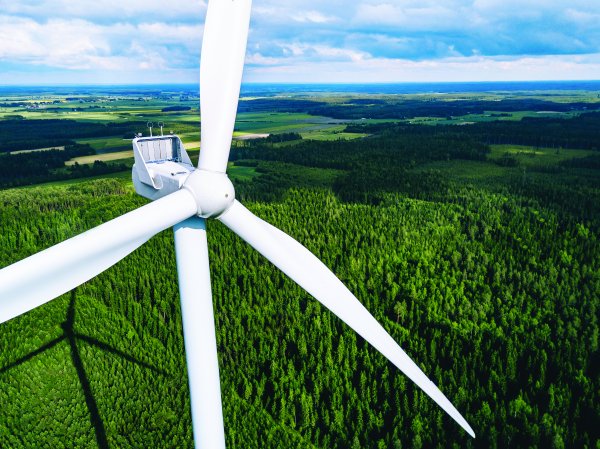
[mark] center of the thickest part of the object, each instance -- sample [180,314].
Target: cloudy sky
[152,41]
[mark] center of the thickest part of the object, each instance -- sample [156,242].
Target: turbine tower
[183,198]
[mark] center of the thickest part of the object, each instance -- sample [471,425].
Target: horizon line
[284,83]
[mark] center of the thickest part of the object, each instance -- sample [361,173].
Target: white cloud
[79,44]
[422,15]
[474,68]
[260,60]
[189,36]
[107,9]
[329,53]
[308,39]
[585,18]
[401,16]
[263,13]
[297,53]
[312,16]
[58,43]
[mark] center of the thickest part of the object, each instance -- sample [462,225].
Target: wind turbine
[184,197]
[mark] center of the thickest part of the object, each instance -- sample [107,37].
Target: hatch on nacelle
[161,165]
[157,149]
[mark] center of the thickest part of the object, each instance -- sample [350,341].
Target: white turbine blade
[312,275]
[221,67]
[199,333]
[37,279]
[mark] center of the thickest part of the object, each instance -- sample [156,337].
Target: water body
[264,89]
[422,88]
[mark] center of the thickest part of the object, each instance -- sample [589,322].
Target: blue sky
[151,41]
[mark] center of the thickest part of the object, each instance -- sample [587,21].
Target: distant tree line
[355,109]
[283,137]
[176,108]
[278,105]
[580,132]
[49,165]
[17,134]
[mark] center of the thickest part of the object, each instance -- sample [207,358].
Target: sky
[49,42]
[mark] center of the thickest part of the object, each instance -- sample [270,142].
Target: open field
[100,107]
[488,171]
[487,117]
[334,132]
[248,136]
[192,146]
[248,126]
[240,173]
[147,106]
[105,157]
[60,148]
[124,175]
[106,144]
[531,156]
[309,126]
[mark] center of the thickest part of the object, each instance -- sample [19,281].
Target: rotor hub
[213,191]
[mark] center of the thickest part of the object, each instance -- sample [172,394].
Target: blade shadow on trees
[71,337]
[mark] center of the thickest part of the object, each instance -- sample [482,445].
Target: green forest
[482,260]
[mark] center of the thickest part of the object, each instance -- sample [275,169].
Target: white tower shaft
[199,333]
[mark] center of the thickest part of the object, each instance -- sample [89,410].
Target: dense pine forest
[483,263]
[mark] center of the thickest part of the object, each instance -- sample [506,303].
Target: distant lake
[269,89]
[417,88]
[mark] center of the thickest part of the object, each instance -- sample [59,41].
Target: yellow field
[101,157]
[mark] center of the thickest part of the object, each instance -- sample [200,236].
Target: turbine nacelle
[162,166]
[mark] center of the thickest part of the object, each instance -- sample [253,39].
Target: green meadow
[528,156]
